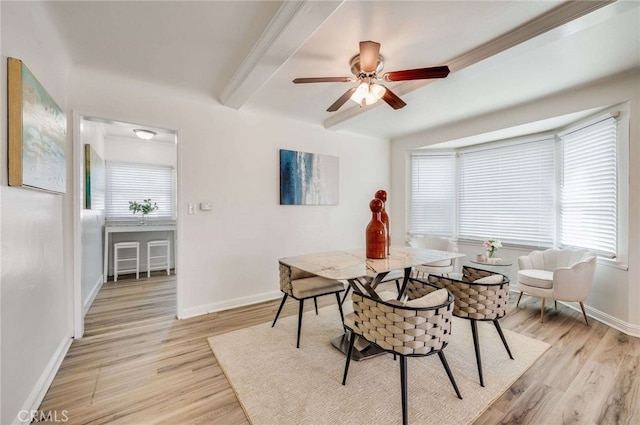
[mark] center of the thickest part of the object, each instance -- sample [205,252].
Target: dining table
[365,274]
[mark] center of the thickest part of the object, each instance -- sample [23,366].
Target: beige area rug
[279,384]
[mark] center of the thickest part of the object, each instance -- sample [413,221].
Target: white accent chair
[440,268]
[557,274]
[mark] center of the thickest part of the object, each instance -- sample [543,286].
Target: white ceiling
[125,130]
[208,47]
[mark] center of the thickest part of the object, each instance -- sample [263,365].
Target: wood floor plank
[621,406]
[579,403]
[564,370]
[139,365]
[490,417]
[533,406]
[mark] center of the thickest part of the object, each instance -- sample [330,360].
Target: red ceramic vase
[382,195]
[376,235]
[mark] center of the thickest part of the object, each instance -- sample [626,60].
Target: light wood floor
[137,364]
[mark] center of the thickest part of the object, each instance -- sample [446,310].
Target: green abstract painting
[37,133]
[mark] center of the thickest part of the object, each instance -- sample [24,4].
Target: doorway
[118,163]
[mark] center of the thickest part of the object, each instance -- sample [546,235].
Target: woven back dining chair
[417,328]
[481,295]
[301,285]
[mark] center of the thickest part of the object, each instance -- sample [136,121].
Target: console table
[134,227]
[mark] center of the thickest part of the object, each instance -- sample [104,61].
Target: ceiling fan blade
[341,100]
[393,100]
[369,54]
[323,80]
[417,74]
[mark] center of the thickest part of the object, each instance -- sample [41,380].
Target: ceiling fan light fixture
[377,90]
[368,94]
[367,66]
[361,93]
[144,134]
[370,99]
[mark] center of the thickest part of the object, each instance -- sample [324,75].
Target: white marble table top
[341,265]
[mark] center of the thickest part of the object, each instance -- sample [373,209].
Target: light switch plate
[191,209]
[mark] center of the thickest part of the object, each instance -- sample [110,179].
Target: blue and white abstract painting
[308,178]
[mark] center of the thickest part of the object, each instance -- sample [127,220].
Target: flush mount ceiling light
[144,134]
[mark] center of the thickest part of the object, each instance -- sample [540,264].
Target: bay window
[553,190]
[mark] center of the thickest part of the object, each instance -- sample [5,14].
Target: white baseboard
[607,319]
[44,382]
[226,305]
[92,296]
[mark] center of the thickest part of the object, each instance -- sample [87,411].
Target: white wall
[230,158]
[36,274]
[615,296]
[92,221]
[142,151]
[228,256]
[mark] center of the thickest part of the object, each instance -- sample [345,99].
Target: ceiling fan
[366,66]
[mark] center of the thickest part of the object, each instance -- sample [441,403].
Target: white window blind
[588,188]
[433,188]
[129,181]
[508,193]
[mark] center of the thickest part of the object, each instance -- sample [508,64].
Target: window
[568,189]
[508,192]
[129,181]
[588,189]
[433,189]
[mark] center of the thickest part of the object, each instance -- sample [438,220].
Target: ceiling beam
[561,15]
[291,26]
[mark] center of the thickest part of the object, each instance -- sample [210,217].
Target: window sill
[608,262]
[611,262]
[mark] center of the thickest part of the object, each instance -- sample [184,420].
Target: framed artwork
[308,178]
[37,133]
[94,179]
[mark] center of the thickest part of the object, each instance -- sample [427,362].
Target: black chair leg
[443,359]
[300,322]
[315,303]
[398,285]
[279,309]
[346,293]
[402,290]
[504,341]
[403,389]
[352,341]
[476,345]
[340,307]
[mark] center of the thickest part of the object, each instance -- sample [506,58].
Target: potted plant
[145,207]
